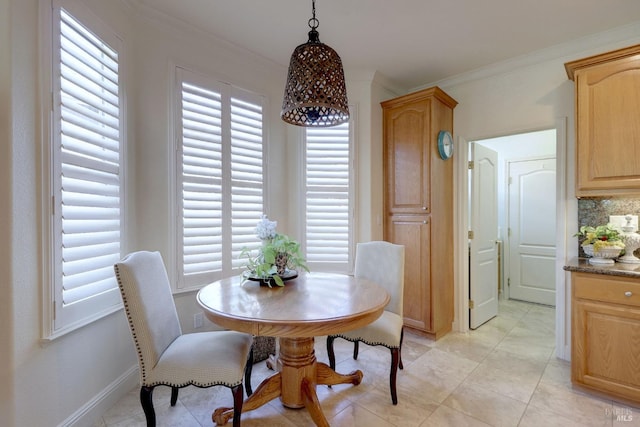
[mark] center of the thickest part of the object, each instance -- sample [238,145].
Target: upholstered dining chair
[168,357]
[383,263]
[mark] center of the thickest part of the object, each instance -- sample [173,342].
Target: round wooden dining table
[313,304]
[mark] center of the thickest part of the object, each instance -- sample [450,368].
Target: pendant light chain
[313,22]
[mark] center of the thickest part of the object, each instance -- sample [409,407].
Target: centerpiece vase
[631,241]
[281,263]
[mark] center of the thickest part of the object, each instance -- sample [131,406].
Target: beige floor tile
[516,385]
[557,373]
[514,363]
[467,345]
[447,417]
[411,409]
[535,417]
[625,415]
[478,379]
[587,409]
[492,408]
[435,375]
[356,416]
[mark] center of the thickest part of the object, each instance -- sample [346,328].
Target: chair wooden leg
[330,353]
[237,404]
[146,400]
[174,395]
[395,356]
[247,373]
[356,348]
[400,349]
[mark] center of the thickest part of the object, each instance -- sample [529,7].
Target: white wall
[6,243]
[530,93]
[162,44]
[47,382]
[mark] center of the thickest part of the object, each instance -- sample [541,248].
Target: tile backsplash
[597,211]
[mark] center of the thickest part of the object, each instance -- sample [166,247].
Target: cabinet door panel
[408,155]
[605,348]
[414,232]
[608,130]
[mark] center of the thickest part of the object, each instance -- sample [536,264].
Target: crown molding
[586,46]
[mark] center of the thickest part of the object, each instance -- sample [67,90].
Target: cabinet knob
[628,294]
[424,208]
[424,222]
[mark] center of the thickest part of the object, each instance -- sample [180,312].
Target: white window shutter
[87,180]
[220,178]
[201,180]
[247,179]
[328,198]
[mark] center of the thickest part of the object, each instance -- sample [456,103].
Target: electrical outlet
[198,320]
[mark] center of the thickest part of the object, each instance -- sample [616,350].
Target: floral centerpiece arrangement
[601,241]
[278,258]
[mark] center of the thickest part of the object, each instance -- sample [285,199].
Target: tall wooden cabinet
[418,197]
[607,125]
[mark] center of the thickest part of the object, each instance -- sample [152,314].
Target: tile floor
[505,373]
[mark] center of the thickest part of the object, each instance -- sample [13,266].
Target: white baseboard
[86,415]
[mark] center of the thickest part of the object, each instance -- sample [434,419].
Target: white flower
[266,230]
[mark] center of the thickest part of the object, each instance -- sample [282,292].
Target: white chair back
[383,263]
[149,305]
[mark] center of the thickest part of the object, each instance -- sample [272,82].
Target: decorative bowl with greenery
[600,238]
[279,256]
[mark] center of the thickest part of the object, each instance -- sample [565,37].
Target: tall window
[220,177]
[86,179]
[328,195]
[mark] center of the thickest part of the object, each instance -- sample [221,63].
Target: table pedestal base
[295,383]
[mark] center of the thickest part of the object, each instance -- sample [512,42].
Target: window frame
[181,283]
[59,319]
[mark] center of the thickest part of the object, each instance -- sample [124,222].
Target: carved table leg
[268,390]
[295,383]
[312,404]
[327,376]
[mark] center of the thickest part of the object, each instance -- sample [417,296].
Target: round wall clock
[445,144]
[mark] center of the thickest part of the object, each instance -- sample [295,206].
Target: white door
[483,253]
[532,230]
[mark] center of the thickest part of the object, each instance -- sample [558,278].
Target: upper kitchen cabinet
[411,126]
[607,123]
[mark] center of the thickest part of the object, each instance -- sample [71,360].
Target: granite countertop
[616,269]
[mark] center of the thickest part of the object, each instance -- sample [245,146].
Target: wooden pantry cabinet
[607,103]
[605,334]
[418,199]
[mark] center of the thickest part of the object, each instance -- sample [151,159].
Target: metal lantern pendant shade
[315,93]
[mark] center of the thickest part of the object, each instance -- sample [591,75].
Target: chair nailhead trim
[371,343]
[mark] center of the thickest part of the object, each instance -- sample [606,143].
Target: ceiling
[411,42]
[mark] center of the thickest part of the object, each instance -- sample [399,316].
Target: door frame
[461,217]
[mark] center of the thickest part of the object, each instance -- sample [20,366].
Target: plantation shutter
[221,174]
[328,178]
[87,174]
[201,180]
[246,176]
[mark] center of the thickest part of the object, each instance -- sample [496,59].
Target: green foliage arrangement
[278,253]
[601,236]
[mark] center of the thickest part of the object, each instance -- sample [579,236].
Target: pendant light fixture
[315,93]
